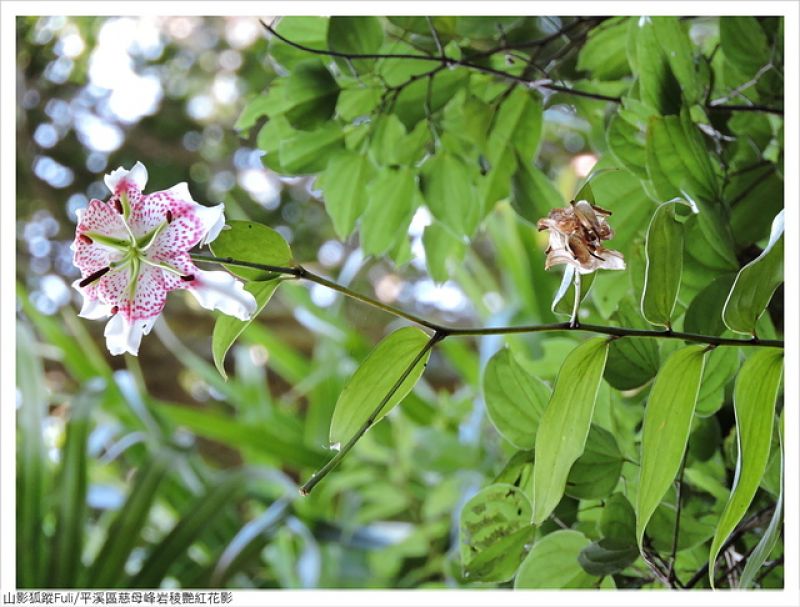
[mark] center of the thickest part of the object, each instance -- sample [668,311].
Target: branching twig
[301,272]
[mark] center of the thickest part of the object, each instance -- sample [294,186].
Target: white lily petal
[181,192]
[137,175]
[221,291]
[92,308]
[213,219]
[123,336]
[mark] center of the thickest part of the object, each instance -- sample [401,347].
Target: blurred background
[169,444]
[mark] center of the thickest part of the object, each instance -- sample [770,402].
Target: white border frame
[9,10]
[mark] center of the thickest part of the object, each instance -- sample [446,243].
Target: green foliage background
[417,177]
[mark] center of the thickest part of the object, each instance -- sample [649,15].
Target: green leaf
[493,530]
[514,399]
[607,556]
[356,102]
[252,242]
[520,112]
[678,51]
[124,532]
[771,536]
[228,328]
[667,421]
[744,43]
[392,197]
[754,402]
[755,284]
[450,193]
[307,31]
[410,105]
[441,247]
[596,472]
[603,54]
[632,361]
[31,461]
[70,496]
[721,366]
[704,314]
[310,95]
[657,84]
[553,563]
[696,526]
[355,36]
[618,520]
[373,379]
[664,249]
[565,423]
[344,189]
[532,193]
[201,515]
[307,152]
[626,143]
[253,110]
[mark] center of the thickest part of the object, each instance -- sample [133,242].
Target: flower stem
[334,461]
[573,321]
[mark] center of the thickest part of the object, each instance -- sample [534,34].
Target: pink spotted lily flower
[133,250]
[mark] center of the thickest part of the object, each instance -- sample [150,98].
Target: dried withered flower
[576,236]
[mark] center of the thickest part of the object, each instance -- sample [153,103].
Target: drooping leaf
[392,197]
[255,243]
[744,43]
[355,35]
[618,520]
[520,112]
[532,193]
[596,472]
[307,31]
[515,399]
[228,328]
[721,365]
[704,314]
[450,193]
[307,152]
[344,186]
[441,246]
[607,556]
[632,361]
[373,379]
[664,249]
[755,284]
[603,53]
[553,563]
[493,530]
[754,402]
[310,95]
[667,421]
[771,536]
[565,423]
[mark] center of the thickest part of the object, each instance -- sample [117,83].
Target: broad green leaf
[195,521]
[373,379]
[228,328]
[532,193]
[657,84]
[565,423]
[307,152]
[744,43]
[67,542]
[618,520]
[678,51]
[706,437]
[771,536]
[754,397]
[667,421]
[390,145]
[392,197]
[310,95]
[412,105]
[344,189]
[308,31]
[253,110]
[450,192]
[603,53]
[493,530]
[607,556]
[495,184]
[755,284]
[520,112]
[632,361]
[626,143]
[441,247]
[704,314]
[514,399]
[361,35]
[553,563]
[31,461]
[108,569]
[596,472]
[664,249]
[696,526]
[358,101]
[255,243]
